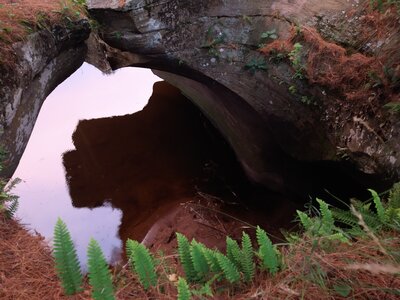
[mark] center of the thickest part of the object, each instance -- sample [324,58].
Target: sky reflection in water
[44,196]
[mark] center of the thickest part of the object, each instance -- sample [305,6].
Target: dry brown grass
[356,76]
[18,18]
[26,265]
[311,272]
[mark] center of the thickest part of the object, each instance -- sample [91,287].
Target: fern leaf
[229,269]
[99,274]
[199,261]
[142,263]
[233,252]
[345,217]
[339,236]
[378,205]
[247,262]
[267,252]
[394,196]
[12,208]
[305,221]
[211,257]
[328,223]
[66,260]
[205,290]
[183,289]
[371,219]
[185,257]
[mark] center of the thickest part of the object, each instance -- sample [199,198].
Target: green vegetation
[183,289]
[267,36]
[207,270]
[382,216]
[8,201]
[393,107]
[383,5]
[267,252]
[214,39]
[295,58]
[142,263]
[185,257]
[256,64]
[67,264]
[228,267]
[68,269]
[99,274]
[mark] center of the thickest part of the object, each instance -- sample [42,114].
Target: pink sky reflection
[44,196]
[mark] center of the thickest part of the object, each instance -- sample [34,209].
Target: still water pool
[44,194]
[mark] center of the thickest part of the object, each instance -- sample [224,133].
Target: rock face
[263,104]
[313,93]
[44,60]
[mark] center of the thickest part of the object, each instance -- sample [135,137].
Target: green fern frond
[305,220]
[199,261]
[328,223]
[205,290]
[267,252]
[142,263]
[12,208]
[339,236]
[66,260]
[394,196]
[99,274]
[247,262]
[233,252]
[371,219]
[183,290]
[229,269]
[378,205]
[393,216]
[345,217]
[185,257]
[211,257]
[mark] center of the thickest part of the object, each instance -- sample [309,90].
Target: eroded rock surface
[210,50]
[269,105]
[44,60]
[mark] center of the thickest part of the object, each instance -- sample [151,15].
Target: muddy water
[112,171]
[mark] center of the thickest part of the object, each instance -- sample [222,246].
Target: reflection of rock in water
[144,163]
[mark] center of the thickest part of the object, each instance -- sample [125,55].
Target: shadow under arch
[145,163]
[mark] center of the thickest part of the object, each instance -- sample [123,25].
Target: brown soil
[18,18]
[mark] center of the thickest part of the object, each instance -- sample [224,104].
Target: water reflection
[44,194]
[143,164]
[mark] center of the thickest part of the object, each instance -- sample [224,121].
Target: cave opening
[143,170]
